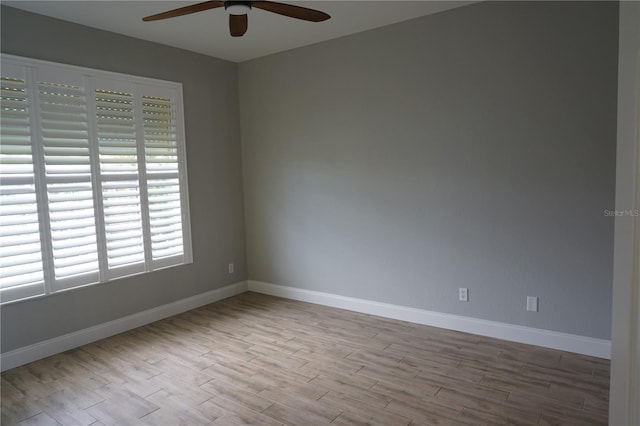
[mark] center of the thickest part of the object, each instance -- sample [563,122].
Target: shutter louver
[21,268]
[116,131]
[161,156]
[65,140]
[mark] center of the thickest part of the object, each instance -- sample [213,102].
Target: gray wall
[474,148]
[214,169]
[471,148]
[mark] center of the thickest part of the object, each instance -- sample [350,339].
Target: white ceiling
[208,32]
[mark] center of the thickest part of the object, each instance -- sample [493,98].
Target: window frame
[50,285]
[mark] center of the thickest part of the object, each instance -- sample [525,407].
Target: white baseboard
[533,336]
[63,343]
[516,333]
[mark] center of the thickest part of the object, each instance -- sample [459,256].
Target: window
[92,177]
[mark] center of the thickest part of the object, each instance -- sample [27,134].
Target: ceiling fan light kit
[237,7]
[238,10]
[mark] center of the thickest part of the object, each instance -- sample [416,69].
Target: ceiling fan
[238,12]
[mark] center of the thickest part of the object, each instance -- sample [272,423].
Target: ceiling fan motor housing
[237,7]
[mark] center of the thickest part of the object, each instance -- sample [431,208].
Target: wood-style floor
[261,360]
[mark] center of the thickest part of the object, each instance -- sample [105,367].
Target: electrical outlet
[463,294]
[532,304]
[231,268]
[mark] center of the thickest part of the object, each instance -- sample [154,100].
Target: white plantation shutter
[69,188]
[162,170]
[21,267]
[118,159]
[92,174]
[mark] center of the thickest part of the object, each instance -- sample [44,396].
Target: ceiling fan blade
[238,25]
[291,11]
[199,7]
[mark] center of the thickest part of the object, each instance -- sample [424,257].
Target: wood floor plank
[468,374]
[62,407]
[175,409]
[399,374]
[570,419]
[15,405]
[255,359]
[280,378]
[365,419]
[479,417]
[29,385]
[343,384]
[121,408]
[471,396]
[238,414]
[517,383]
[319,361]
[42,419]
[356,411]
[401,392]
[425,411]
[308,391]
[295,410]
[381,360]
[77,396]
[240,395]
